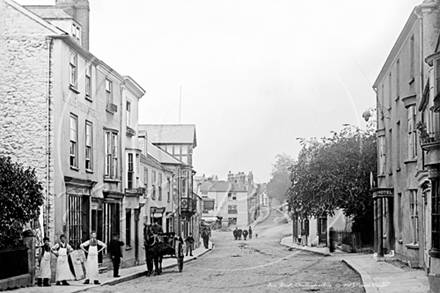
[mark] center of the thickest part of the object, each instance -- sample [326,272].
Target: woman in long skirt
[92,258]
[62,250]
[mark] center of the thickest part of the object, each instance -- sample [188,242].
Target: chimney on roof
[250,178]
[80,11]
[241,177]
[230,177]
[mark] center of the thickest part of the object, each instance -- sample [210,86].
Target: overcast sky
[255,75]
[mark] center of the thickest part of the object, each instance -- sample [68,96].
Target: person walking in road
[44,273]
[250,232]
[239,231]
[245,234]
[205,237]
[116,254]
[92,258]
[235,233]
[189,241]
[62,251]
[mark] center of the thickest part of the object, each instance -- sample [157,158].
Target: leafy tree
[280,181]
[20,199]
[334,173]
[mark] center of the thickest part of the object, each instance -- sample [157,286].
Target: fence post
[29,241]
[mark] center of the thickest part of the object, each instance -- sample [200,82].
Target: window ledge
[89,171]
[88,98]
[112,180]
[398,169]
[411,80]
[412,246]
[73,89]
[74,168]
[381,176]
[410,161]
[127,248]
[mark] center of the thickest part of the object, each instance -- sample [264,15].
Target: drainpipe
[49,43]
[420,18]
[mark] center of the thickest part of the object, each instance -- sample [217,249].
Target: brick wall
[23,91]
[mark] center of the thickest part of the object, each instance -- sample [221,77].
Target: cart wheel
[180,263]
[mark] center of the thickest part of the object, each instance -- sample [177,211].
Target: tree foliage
[335,173]
[280,181]
[20,199]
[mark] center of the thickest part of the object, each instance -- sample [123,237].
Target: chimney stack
[80,11]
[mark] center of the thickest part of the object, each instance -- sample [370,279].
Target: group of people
[61,251]
[238,233]
[205,232]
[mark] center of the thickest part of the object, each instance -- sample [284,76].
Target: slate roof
[170,133]
[160,155]
[47,12]
[222,186]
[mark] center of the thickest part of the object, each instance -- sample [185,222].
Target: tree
[20,200]
[334,173]
[280,181]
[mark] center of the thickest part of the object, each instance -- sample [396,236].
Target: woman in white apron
[63,270]
[92,258]
[44,273]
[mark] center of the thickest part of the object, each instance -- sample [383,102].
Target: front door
[97,226]
[85,235]
[136,234]
[322,231]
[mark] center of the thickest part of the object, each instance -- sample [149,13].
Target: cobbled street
[257,265]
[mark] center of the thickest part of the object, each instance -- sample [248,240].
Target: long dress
[45,271]
[92,259]
[63,269]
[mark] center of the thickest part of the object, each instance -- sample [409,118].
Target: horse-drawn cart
[160,245]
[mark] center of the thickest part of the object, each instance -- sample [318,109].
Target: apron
[92,263]
[63,270]
[45,272]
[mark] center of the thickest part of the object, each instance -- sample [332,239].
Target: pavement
[377,276]
[107,278]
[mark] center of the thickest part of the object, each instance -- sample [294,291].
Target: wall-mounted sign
[386,192]
[154,210]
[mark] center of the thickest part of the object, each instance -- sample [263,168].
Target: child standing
[44,260]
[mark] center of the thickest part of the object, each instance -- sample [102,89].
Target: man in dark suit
[189,244]
[116,253]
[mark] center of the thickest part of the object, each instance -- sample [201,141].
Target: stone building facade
[67,114]
[405,199]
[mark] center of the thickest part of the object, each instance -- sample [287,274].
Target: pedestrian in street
[235,233]
[44,272]
[303,237]
[115,249]
[189,241]
[239,231]
[250,232]
[205,237]
[92,258]
[245,234]
[62,251]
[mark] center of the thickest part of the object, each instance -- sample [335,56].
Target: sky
[253,76]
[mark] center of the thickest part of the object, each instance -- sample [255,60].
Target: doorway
[322,231]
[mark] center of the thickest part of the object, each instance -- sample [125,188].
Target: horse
[154,251]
